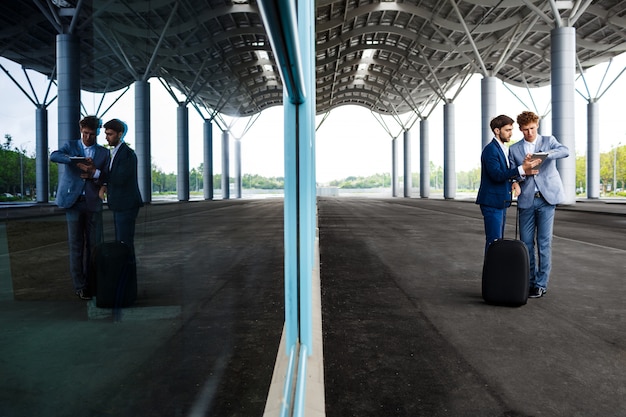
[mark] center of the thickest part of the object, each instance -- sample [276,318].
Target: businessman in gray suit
[78,193]
[539,196]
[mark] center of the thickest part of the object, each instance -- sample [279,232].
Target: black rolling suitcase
[114,275]
[506,272]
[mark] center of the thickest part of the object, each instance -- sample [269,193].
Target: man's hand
[516,189]
[529,165]
[102,192]
[87,167]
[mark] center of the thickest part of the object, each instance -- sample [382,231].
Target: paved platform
[405,332]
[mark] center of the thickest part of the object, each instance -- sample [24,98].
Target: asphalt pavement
[406,332]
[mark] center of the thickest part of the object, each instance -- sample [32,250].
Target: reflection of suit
[548,181]
[123,193]
[71,185]
[83,206]
[122,189]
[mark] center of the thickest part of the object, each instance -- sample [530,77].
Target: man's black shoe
[536,292]
[83,295]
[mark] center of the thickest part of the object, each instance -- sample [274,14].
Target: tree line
[163,183]
[17,172]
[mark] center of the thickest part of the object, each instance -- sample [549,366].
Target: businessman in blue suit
[540,193]
[497,177]
[78,194]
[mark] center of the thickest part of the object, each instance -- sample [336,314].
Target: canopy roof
[389,56]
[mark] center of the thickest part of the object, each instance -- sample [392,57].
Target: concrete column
[449,152]
[225,166]
[394,168]
[593,150]
[488,107]
[237,168]
[68,103]
[424,160]
[42,174]
[544,126]
[408,180]
[142,138]
[182,179]
[207,174]
[563,72]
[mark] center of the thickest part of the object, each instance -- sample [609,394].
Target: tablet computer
[78,159]
[540,155]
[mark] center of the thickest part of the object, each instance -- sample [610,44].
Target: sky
[349,142]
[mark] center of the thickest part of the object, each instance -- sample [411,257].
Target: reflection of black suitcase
[506,272]
[115,275]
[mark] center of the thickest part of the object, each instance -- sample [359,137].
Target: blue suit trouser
[494,219]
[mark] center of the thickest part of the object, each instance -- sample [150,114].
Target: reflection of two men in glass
[90,173]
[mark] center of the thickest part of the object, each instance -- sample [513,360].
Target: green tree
[436,176]
[158,179]
[7,142]
[468,180]
[27,173]
[606,171]
[581,174]
[53,179]
[16,168]
[195,179]
[612,163]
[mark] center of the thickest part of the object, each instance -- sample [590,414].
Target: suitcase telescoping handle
[516,215]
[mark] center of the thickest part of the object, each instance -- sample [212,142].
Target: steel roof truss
[468,34]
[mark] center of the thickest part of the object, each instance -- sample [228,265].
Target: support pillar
[182,179]
[207,173]
[544,126]
[408,180]
[424,160]
[563,73]
[237,168]
[593,150]
[449,152]
[225,166]
[42,180]
[68,103]
[142,138]
[394,168]
[488,106]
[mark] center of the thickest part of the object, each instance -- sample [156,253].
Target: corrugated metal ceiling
[388,56]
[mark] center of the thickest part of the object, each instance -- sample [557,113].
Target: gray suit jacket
[71,185]
[548,181]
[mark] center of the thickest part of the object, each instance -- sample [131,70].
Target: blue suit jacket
[71,185]
[548,181]
[495,177]
[122,187]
